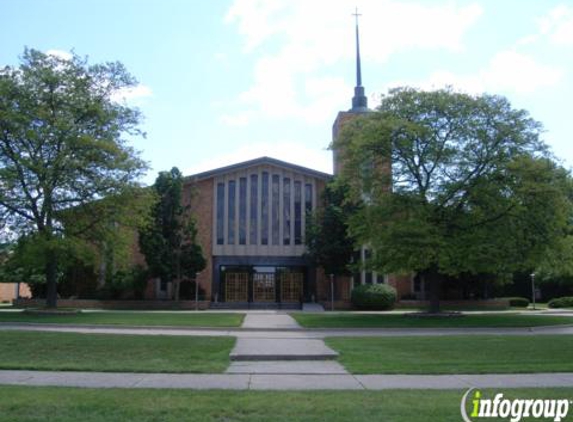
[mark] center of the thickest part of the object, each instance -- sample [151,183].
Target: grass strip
[352,320]
[31,404]
[176,319]
[113,353]
[455,354]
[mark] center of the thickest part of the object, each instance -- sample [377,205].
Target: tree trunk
[177,281]
[51,278]
[434,281]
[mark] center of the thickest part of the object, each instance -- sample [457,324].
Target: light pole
[533,289]
[196,292]
[332,292]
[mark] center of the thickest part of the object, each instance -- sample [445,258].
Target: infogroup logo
[513,409]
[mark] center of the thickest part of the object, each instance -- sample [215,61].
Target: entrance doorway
[263,284]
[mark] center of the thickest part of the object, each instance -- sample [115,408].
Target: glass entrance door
[264,289]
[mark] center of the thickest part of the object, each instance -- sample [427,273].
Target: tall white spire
[359,101]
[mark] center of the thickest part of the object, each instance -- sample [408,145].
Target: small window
[163,285]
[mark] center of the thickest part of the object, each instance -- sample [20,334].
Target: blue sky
[226,81]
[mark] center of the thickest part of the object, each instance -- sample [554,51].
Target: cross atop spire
[359,101]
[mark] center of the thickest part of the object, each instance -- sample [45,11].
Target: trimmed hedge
[518,302]
[561,302]
[374,297]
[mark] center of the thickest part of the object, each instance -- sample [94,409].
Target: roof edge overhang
[256,162]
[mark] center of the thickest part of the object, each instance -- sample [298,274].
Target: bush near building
[561,302]
[376,297]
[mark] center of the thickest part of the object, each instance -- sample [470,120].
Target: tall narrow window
[254,209]
[297,213]
[265,209]
[220,213]
[286,211]
[243,211]
[231,214]
[308,198]
[275,209]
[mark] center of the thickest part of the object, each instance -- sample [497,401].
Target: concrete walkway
[293,356]
[282,382]
[274,353]
[284,333]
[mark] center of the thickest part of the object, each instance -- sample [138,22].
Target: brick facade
[199,194]
[8,291]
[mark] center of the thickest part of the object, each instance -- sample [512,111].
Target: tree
[327,240]
[453,184]
[169,241]
[63,146]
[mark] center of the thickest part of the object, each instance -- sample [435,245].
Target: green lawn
[108,352]
[178,319]
[352,320]
[32,404]
[455,354]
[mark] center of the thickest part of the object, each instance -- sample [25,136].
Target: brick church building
[251,220]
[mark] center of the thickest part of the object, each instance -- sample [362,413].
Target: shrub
[561,302]
[187,290]
[518,302]
[377,297]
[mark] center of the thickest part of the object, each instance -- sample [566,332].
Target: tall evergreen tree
[327,239]
[169,241]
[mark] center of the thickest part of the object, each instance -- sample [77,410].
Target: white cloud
[60,54]
[239,119]
[306,37]
[132,93]
[557,25]
[289,151]
[507,71]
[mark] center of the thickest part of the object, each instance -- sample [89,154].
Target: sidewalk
[284,356]
[274,353]
[285,333]
[282,382]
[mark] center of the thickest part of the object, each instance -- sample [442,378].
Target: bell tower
[359,103]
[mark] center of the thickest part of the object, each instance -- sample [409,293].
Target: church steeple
[359,101]
[359,106]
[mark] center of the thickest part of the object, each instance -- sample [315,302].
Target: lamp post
[533,289]
[332,292]
[196,292]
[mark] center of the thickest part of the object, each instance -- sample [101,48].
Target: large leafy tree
[169,241]
[63,146]
[453,185]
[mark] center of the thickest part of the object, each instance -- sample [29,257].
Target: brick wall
[402,284]
[200,195]
[115,304]
[8,291]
